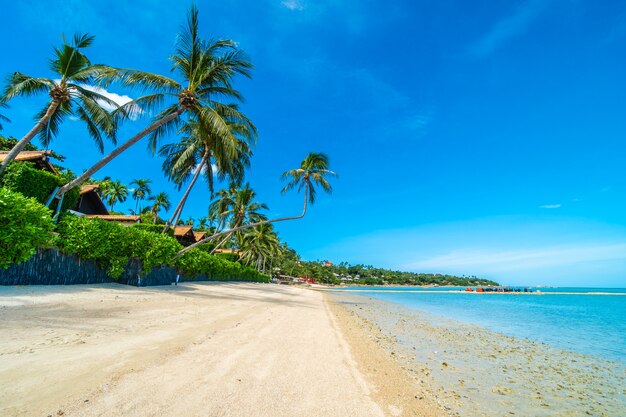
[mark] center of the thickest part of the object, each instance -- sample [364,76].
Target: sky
[472,138]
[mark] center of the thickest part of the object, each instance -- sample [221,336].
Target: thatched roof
[199,235]
[87,188]
[180,231]
[116,218]
[39,158]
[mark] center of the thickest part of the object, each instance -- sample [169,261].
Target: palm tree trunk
[234,229]
[30,135]
[136,205]
[130,142]
[179,209]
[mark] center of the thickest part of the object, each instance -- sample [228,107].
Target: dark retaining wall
[51,267]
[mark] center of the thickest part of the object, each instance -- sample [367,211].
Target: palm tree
[201,149]
[312,172]
[237,207]
[161,202]
[258,245]
[113,192]
[141,190]
[71,95]
[207,70]
[3,118]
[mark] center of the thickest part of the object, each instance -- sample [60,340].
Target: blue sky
[482,138]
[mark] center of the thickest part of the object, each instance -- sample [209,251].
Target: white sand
[191,350]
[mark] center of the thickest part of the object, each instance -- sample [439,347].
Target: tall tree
[161,202]
[114,191]
[3,118]
[259,245]
[238,207]
[201,149]
[207,70]
[141,190]
[312,172]
[72,94]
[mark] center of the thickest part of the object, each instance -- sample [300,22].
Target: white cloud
[293,4]
[508,27]
[120,100]
[550,206]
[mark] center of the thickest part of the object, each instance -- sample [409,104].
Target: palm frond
[165,129]
[51,128]
[19,84]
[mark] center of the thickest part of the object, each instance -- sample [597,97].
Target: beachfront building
[184,235]
[90,201]
[40,159]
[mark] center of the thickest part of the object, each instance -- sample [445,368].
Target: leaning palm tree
[115,191]
[72,94]
[312,172]
[141,190]
[207,70]
[161,202]
[203,150]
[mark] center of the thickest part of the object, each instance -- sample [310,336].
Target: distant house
[90,201]
[199,236]
[184,235]
[228,250]
[38,158]
[118,218]
[327,264]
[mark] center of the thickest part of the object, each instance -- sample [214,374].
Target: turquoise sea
[590,321]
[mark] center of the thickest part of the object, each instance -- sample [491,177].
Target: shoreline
[195,349]
[473,371]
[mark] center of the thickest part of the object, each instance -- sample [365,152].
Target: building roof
[40,158]
[87,188]
[115,217]
[180,231]
[199,235]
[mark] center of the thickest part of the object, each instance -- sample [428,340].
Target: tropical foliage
[113,191]
[72,94]
[25,226]
[206,71]
[141,191]
[22,177]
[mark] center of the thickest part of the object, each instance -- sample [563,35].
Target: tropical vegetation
[198,110]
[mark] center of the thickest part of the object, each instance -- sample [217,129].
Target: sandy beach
[194,350]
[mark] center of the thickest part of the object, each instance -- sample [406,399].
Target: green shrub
[24,178]
[111,245]
[153,228]
[232,257]
[25,225]
[197,262]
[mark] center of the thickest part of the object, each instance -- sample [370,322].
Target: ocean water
[583,320]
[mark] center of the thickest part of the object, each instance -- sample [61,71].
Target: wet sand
[193,350]
[472,371]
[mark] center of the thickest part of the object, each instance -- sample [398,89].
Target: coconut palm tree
[203,150]
[207,70]
[312,172]
[113,192]
[237,207]
[72,94]
[141,190]
[258,245]
[161,202]
[3,118]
